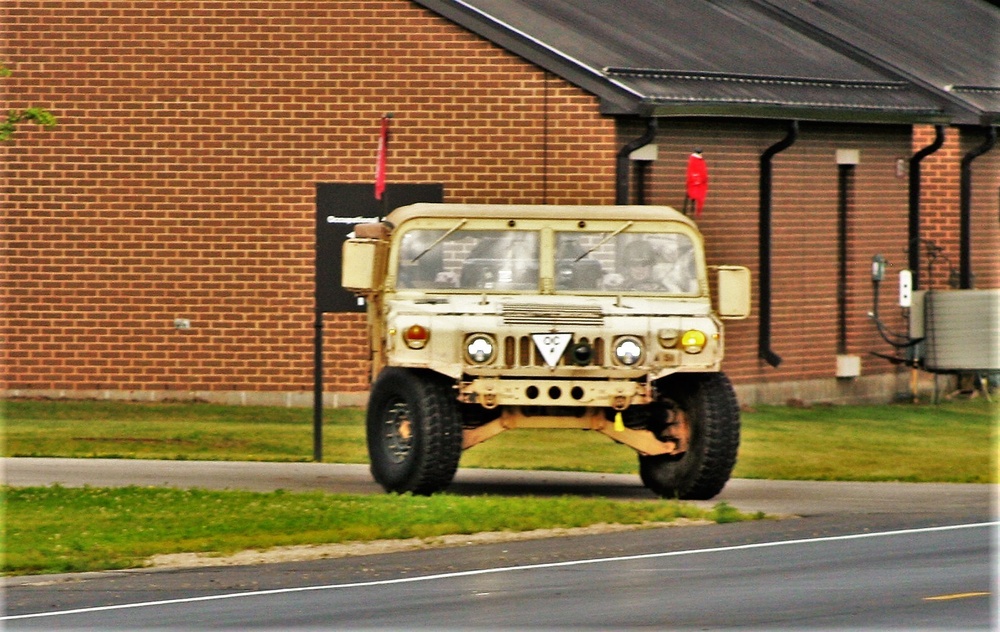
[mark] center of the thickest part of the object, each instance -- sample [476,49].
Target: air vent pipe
[764,350]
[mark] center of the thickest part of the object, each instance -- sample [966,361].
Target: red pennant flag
[380,158]
[697,181]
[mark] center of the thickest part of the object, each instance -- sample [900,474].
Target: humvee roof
[538,211]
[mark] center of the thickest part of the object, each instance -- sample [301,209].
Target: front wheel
[713,416]
[414,431]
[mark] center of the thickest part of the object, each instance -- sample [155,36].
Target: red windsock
[697,181]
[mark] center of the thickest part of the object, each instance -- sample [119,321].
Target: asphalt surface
[911,580]
[930,579]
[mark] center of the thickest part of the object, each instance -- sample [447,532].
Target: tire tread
[434,412]
[702,476]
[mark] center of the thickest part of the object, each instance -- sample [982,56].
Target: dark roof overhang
[949,50]
[684,93]
[878,96]
[988,115]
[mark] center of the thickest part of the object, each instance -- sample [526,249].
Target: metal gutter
[965,209]
[914,222]
[845,197]
[817,112]
[764,351]
[622,160]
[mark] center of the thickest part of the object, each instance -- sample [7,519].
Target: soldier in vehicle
[638,269]
[651,269]
[640,263]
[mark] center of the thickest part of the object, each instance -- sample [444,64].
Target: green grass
[954,442]
[57,529]
[950,442]
[193,431]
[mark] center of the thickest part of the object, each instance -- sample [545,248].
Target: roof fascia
[795,112]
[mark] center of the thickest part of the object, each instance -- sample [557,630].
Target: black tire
[713,413]
[414,431]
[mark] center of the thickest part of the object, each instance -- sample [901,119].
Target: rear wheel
[414,431]
[713,415]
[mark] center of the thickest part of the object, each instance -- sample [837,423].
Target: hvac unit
[960,328]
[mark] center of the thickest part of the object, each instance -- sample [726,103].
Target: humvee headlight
[628,351]
[416,336]
[480,348]
[693,341]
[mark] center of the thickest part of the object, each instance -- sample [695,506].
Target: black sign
[339,207]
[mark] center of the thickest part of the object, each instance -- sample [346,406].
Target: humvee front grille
[553,315]
[521,352]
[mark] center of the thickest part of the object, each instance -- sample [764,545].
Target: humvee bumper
[491,392]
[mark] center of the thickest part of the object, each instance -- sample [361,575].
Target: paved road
[919,578]
[914,580]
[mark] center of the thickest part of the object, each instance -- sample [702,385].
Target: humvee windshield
[585,261]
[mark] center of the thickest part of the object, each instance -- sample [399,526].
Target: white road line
[502,569]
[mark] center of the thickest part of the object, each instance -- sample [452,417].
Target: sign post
[339,206]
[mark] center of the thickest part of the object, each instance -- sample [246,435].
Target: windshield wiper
[605,240]
[439,240]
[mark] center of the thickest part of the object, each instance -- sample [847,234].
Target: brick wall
[985,214]
[180,182]
[804,227]
[940,203]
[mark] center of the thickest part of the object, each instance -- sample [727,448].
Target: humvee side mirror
[363,264]
[733,283]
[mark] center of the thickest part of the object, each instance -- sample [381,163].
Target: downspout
[965,210]
[641,170]
[764,350]
[845,198]
[622,161]
[914,235]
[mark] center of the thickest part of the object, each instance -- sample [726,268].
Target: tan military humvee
[486,318]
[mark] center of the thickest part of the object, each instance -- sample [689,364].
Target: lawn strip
[59,529]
